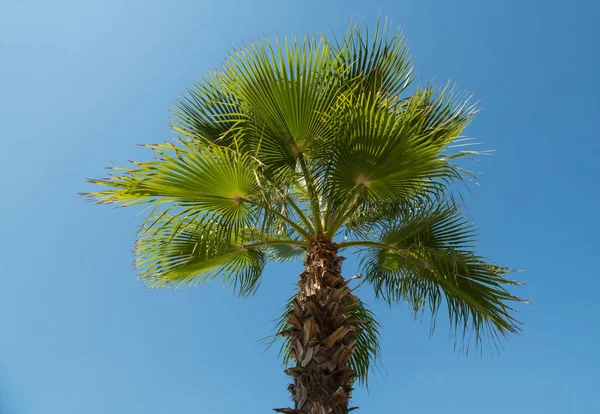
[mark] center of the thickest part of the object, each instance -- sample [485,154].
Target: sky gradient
[82,82]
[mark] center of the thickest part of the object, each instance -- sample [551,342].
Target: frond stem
[300,213]
[295,226]
[314,203]
[348,207]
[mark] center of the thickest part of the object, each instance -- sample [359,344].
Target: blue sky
[82,82]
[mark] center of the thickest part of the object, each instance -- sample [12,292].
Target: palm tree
[306,148]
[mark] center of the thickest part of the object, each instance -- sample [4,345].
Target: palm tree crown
[293,142]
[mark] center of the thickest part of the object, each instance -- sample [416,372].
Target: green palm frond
[425,258]
[209,181]
[208,113]
[365,224]
[473,289]
[433,225]
[390,151]
[366,354]
[177,252]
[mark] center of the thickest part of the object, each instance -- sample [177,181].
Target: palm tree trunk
[322,335]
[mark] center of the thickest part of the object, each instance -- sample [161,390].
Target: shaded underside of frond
[176,252]
[425,258]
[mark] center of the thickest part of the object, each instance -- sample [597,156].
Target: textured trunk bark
[322,335]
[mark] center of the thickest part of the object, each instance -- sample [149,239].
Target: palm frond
[439,225]
[425,258]
[185,252]
[208,113]
[209,181]
[282,88]
[389,151]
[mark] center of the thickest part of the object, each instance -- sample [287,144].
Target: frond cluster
[294,139]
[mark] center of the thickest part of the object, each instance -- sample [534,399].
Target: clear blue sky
[81,82]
